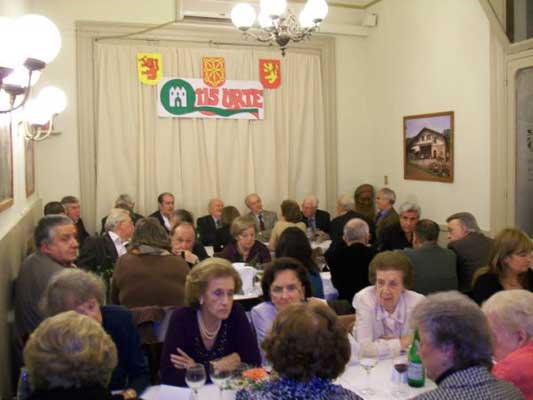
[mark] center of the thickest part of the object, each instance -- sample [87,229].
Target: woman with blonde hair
[509,266]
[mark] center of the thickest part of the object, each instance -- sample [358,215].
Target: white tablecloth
[354,378]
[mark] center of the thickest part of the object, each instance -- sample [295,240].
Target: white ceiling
[347,3]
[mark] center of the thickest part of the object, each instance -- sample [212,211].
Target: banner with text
[192,98]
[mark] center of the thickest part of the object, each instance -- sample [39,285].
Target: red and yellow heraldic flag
[270,73]
[150,68]
[214,71]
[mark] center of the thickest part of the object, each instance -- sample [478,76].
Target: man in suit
[184,244]
[166,208]
[398,236]
[103,251]
[125,202]
[386,215]
[434,268]
[316,219]
[348,263]
[73,211]
[470,245]
[208,224]
[57,247]
[345,212]
[265,220]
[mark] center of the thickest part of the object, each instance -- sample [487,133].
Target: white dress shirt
[120,246]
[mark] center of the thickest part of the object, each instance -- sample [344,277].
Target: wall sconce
[38,116]
[28,44]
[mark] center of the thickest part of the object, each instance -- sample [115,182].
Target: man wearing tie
[208,224]
[313,217]
[166,208]
[265,219]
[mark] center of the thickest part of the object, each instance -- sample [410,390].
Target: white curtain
[139,153]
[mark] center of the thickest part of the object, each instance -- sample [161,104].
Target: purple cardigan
[235,336]
[259,253]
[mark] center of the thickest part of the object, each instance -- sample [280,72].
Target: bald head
[356,231]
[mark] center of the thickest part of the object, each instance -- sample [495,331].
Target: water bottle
[416,376]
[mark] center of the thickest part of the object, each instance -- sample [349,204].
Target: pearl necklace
[209,335]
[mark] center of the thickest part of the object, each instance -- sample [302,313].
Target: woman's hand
[181,360]
[405,341]
[228,363]
[129,394]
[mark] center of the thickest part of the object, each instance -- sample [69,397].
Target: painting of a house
[428,147]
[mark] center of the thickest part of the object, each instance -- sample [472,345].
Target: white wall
[425,56]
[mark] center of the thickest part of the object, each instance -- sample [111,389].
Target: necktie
[261,223]
[312,223]
[217,223]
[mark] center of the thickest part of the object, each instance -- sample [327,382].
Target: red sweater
[517,368]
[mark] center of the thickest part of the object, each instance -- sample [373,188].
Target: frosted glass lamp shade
[318,9]
[53,100]
[273,8]
[305,19]
[19,77]
[38,37]
[35,112]
[265,21]
[243,16]
[11,54]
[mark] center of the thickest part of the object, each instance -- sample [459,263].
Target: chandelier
[277,24]
[27,45]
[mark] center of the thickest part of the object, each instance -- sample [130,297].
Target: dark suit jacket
[134,218]
[222,238]
[97,251]
[322,220]
[207,230]
[336,227]
[434,268]
[389,219]
[81,232]
[349,268]
[157,215]
[472,253]
[393,238]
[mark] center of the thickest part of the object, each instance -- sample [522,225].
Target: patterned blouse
[288,389]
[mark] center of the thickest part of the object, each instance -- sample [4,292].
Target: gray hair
[74,285]
[451,318]
[388,194]
[69,200]
[311,199]
[513,309]
[115,217]
[45,229]
[124,201]
[467,221]
[247,198]
[346,202]
[69,350]
[407,207]
[356,230]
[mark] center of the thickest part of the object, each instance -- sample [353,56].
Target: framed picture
[6,168]
[29,159]
[428,147]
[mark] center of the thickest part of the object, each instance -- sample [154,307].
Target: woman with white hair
[510,318]
[455,349]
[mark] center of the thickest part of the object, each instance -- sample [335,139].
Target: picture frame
[6,168]
[29,162]
[428,141]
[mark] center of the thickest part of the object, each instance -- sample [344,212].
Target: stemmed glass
[400,365]
[195,378]
[368,359]
[219,376]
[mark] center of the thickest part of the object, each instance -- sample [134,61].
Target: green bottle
[416,376]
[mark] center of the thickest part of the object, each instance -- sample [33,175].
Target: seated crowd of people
[471,301]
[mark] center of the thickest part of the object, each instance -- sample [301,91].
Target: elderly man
[125,202]
[73,211]
[398,236]
[55,240]
[386,215]
[103,251]
[166,208]
[208,224]
[349,264]
[433,267]
[345,212]
[183,238]
[265,220]
[470,245]
[313,217]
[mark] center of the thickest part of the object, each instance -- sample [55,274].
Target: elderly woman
[291,216]
[293,243]
[244,247]
[223,234]
[383,309]
[386,215]
[149,275]
[509,266]
[212,327]
[455,350]
[308,348]
[69,356]
[83,292]
[510,317]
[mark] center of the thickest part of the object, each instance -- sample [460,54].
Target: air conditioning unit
[217,9]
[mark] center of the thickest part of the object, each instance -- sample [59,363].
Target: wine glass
[23,387]
[400,365]
[219,376]
[195,378]
[368,359]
